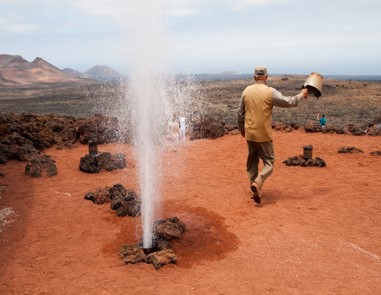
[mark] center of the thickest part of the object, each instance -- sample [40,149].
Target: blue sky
[198,36]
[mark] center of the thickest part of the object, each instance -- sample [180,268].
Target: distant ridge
[239,76]
[355,77]
[15,70]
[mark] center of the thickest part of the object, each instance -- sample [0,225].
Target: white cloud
[27,3]
[21,27]
[122,9]
[16,24]
[180,8]
[180,12]
[248,3]
[104,8]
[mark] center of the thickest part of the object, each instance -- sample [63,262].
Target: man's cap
[260,70]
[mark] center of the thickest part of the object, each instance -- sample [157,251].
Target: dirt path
[318,231]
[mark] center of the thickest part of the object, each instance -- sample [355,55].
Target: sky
[332,37]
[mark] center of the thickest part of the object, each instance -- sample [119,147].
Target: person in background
[182,123]
[322,120]
[254,123]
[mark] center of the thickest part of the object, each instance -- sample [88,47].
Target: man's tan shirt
[255,110]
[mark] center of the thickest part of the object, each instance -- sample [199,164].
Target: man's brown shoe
[256,189]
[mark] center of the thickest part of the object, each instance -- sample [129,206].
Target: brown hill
[15,70]
[6,58]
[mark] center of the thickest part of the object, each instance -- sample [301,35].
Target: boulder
[90,164]
[132,254]
[349,149]
[169,229]
[207,128]
[125,202]
[161,258]
[100,129]
[94,163]
[100,196]
[312,126]
[111,162]
[354,130]
[41,165]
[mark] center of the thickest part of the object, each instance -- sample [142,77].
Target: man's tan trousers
[265,152]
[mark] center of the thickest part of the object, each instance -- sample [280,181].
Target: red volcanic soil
[317,232]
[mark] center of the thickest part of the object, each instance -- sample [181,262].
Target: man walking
[254,122]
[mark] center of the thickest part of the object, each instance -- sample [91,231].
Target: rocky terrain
[343,102]
[34,119]
[40,87]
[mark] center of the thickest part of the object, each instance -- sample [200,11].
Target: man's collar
[260,82]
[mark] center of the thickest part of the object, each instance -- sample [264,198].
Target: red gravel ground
[317,232]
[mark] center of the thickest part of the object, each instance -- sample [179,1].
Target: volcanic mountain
[103,73]
[15,70]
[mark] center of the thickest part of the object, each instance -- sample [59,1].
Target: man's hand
[304,92]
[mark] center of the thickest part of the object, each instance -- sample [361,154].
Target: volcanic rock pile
[354,130]
[278,126]
[102,129]
[373,131]
[207,128]
[349,149]
[314,126]
[41,165]
[161,252]
[300,161]
[22,136]
[94,163]
[125,201]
